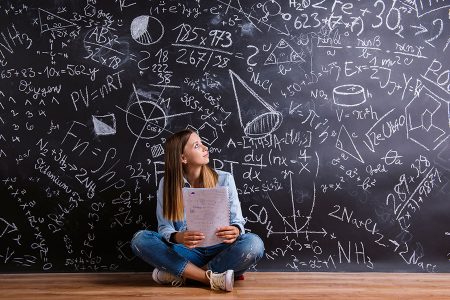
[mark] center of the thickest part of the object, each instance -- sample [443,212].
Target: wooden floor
[262,285]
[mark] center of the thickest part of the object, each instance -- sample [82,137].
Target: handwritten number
[383,7]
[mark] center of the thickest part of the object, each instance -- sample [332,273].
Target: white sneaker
[163,277]
[221,281]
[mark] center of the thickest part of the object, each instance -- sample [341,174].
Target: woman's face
[195,153]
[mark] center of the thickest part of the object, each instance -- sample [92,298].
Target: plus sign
[364,11]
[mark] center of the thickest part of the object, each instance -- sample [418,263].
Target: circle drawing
[143,126]
[263,124]
[146,30]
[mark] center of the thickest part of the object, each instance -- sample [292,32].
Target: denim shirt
[167,227]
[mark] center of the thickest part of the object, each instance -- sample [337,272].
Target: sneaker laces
[178,282]
[217,281]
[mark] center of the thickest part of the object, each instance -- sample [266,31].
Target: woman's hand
[228,233]
[189,238]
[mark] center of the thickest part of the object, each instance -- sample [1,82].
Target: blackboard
[333,117]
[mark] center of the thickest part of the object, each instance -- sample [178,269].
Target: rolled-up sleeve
[236,217]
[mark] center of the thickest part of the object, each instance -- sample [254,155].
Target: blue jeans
[151,247]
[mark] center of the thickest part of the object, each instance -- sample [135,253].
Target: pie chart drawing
[146,119]
[146,30]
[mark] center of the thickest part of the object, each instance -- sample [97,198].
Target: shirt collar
[186,183]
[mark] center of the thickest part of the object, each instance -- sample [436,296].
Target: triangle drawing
[345,143]
[104,125]
[283,53]
[264,121]
[51,21]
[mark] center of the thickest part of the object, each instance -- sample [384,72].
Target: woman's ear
[183,159]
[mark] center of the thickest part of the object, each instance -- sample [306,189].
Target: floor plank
[263,285]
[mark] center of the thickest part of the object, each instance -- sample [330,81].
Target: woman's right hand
[189,238]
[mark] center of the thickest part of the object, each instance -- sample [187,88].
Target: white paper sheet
[206,209]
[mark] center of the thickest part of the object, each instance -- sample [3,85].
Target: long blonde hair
[173,208]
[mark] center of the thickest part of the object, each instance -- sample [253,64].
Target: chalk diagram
[52,54]
[349,95]
[267,121]
[283,53]
[157,150]
[427,118]
[146,30]
[7,227]
[124,250]
[237,8]
[424,7]
[51,22]
[443,157]
[345,143]
[145,118]
[207,132]
[104,125]
[300,222]
[270,8]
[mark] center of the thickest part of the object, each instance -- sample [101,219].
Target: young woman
[175,252]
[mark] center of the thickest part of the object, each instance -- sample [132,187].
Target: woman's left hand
[228,233]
